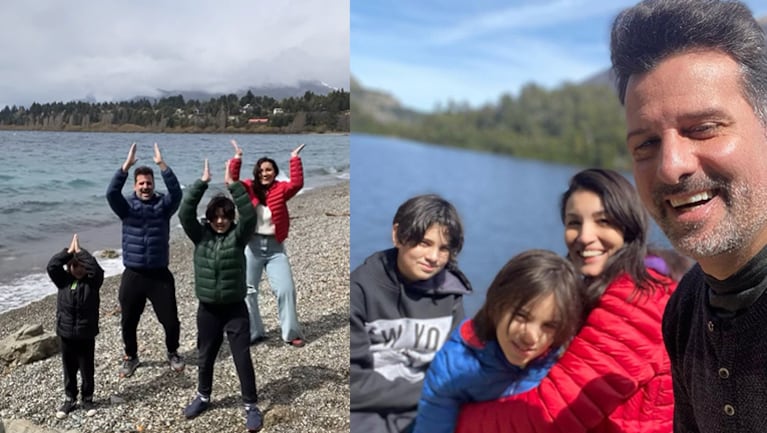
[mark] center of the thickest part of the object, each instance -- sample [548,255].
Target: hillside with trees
[579,124]
[227,113]
[373,110]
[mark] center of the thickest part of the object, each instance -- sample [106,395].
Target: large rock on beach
[29,344]
[24,426]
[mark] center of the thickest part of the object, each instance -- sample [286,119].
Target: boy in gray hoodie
[405,301]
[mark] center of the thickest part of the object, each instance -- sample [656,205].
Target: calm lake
[508,205]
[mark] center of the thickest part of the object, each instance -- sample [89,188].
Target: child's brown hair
[529,276]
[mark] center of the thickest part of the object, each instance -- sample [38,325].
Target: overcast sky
[428,51]
[113,50]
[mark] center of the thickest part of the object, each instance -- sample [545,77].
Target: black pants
[212,321]
[78,354]
[157,285]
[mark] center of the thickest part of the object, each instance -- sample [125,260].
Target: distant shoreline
[188,130]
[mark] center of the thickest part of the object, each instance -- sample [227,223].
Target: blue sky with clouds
[428,51]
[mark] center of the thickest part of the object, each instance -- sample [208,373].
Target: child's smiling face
[528,333]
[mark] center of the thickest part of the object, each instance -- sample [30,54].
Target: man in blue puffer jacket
[145,216]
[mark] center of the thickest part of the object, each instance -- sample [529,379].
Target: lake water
[508,205]
[53,184]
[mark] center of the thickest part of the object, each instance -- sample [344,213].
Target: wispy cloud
[429,51]
[520,18]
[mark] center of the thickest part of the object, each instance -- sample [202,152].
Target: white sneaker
[89,407]
[66,407]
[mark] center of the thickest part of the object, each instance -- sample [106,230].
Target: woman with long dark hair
[266,249]
[615,375]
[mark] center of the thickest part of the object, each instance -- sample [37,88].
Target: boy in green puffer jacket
[219,284]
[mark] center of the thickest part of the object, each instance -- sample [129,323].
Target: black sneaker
[176,362]
[257,340]
[253,419]
[68,406]
[130,364]
[196,407]
[89,406]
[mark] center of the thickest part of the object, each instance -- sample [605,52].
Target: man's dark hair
[644,35]
[142,170]
[220,202]
[417,214]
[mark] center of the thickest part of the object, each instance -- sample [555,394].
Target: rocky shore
[300,389]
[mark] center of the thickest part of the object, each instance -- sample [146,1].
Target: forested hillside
[578,124]
[229,113]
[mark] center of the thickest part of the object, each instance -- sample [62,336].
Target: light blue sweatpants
[264,252]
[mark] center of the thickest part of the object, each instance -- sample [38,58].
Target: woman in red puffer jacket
[266,250]
[615,375]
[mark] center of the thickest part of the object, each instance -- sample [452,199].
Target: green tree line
[573,124]
[227,113]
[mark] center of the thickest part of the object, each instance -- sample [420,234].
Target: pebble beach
[300,389]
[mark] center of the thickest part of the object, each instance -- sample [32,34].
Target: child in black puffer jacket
[78,278]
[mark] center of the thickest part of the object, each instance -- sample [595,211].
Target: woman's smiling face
[590,235]
[266,173]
